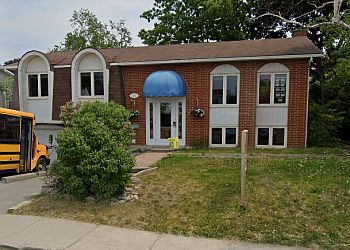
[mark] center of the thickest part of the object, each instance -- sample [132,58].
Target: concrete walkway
[27,232]
[147,159]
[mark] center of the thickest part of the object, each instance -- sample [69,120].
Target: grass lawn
[290,201]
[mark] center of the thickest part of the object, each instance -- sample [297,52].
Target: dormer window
[91,84]
[38,85]
[90,76]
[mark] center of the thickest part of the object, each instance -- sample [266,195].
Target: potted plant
[134,113]
[197,112]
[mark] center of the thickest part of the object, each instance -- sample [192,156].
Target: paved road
[13,193]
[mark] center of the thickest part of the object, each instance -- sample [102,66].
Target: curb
[16,207]
[21,204]
[143,172]
[8,247]
[14,178]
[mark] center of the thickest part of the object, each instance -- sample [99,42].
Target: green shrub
[92,154]
[323,125]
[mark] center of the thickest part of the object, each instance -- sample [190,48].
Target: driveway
[13,193]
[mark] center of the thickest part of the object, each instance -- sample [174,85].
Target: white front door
[165,118]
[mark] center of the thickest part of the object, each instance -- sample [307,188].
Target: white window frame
[39,97]
[92,85]
[272,89]
[224,90]
[223,137]
[270,145]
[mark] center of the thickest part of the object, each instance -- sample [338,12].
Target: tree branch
[336,20]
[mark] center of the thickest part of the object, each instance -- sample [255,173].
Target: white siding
[43,132]
[41,107]
[271,116]
[36,65]
[90,62]
[225,116]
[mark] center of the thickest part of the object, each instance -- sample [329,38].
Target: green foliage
[93,156]
[88,31]
[196,21]
[6,87]
[323,126]
[336,67]
[67,112]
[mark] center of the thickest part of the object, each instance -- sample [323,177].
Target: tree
[340,12]
[93,156]
[6,88]
[196,21]
[88,31]
[14,60]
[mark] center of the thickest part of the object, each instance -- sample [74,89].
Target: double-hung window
[272,88]
[271,136]
[38,85]
[91,84]
[224,90]
[223,136]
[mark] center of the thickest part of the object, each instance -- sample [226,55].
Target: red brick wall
[297,106]
[197,77]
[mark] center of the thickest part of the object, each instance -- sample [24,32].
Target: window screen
[231,94]
[218,90]
[98,81]
[216,136]
[230,137]
[33,86]
[44,81]
[263,136]
[278,137]
[85,84]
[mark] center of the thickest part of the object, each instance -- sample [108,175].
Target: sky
[40,24]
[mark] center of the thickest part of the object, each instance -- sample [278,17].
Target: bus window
[2,128]
[9,128]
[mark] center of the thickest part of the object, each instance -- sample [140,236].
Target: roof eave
[225,59]
[197,60]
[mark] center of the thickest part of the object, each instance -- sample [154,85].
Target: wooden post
[244,149]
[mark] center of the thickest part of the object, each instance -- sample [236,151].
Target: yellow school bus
[20,149]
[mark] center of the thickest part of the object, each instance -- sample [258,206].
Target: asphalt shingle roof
[300,45]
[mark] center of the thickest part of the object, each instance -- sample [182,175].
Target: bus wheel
[41,164]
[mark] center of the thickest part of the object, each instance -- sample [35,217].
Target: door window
[180,120]
[165,120]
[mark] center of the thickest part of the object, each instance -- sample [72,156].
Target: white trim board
[226,59]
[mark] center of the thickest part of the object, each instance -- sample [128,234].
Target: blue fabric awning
[164,83]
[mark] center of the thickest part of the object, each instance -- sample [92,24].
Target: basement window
[271,137]
[223,136]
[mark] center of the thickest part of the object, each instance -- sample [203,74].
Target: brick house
[259,85]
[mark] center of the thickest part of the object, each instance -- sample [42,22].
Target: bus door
[26,138]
